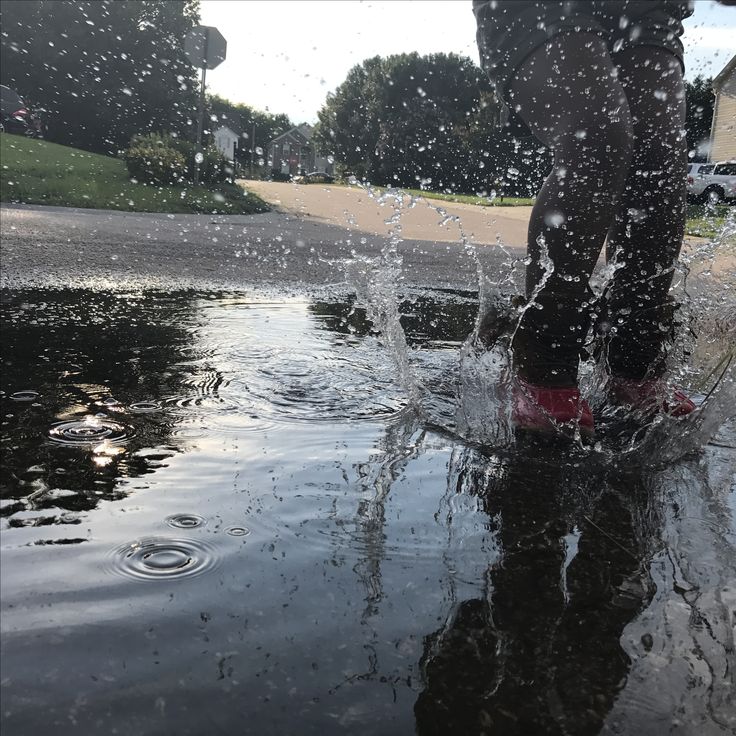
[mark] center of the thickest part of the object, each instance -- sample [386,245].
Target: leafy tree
[103,70]
[412,120]
[700,101]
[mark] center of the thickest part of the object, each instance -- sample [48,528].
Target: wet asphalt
[56,246]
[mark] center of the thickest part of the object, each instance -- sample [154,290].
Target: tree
[247,121]
[700,101]
[103,70]
[410,120]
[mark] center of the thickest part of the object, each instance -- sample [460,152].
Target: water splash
[484,372]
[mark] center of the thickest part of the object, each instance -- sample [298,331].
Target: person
[601,84]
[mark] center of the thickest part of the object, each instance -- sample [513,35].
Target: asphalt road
[306,241]
[67,247]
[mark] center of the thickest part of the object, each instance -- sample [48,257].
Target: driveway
[361,210]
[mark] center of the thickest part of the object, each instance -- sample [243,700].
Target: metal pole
[200,122]
[252,150]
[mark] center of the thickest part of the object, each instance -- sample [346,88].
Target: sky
[284,56]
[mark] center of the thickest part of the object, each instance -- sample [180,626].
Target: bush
[149,159]
[165,159]
[276,175]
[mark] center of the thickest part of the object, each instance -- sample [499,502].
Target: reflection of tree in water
[77,348]
[540,653]
[445,315]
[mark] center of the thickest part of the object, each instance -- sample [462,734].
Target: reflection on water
[223,514]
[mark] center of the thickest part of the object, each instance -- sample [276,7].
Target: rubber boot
[635,345]
[546,348]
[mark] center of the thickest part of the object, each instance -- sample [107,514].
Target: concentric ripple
[89,430]
[161,558]
[145,407]
[238,531]
[24,396]
[185,521]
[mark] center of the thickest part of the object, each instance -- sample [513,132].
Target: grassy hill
[39,172]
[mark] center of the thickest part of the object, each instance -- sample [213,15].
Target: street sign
[205,47]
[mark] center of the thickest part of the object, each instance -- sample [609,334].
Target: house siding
[301,158]
[723,132]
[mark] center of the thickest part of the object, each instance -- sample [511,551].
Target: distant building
[226,141]
[723,128]
[293,153]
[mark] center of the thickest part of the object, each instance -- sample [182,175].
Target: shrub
[276,175]
[153,157]
[149,159]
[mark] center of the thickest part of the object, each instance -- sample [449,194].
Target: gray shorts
[510,30]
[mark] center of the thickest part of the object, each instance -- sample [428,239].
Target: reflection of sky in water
[374,545]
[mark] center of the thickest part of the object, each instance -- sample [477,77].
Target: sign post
[206,48]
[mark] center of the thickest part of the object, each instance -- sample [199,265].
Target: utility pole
[199,156]
[252,151]
[206,48]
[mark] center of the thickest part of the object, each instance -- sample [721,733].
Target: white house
[723,127]
[226,141]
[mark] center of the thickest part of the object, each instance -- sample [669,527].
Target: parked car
[315,177]
[17,117]
[712,183]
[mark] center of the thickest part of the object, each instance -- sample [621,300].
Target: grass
[473,199]
[705,221]
[39,172]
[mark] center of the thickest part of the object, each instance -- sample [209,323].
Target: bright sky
[286,55]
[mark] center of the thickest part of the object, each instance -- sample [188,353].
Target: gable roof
[302,135]
[226,127]
[724,74]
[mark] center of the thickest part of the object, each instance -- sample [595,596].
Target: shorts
[510,30]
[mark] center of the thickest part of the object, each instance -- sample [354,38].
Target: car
[315,177]
[17,117]
[712,183]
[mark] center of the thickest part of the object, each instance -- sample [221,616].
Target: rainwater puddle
[229,513]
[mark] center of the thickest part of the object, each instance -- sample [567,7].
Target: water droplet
[554,218]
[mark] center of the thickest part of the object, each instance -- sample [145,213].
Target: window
[725,170]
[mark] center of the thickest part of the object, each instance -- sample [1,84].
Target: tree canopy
[700,101]
[411,120]
[103,70]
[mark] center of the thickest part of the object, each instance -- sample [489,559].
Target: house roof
[302,134]
[724,74]
[228,121]
[227,127]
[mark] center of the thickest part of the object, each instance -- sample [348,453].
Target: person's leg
[645,238]
[569,95]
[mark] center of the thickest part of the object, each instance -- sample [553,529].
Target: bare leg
[569,95]
[646,235]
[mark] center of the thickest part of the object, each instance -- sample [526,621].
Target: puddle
[227,513]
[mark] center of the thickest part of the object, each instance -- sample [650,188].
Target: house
[226,141]
[723,127]
[294,153]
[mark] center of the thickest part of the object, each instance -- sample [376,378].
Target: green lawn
[473,199]
[39,172]
[705,222]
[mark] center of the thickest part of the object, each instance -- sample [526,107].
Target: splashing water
[702,358]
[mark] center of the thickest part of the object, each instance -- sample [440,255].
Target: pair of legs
[615,126]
